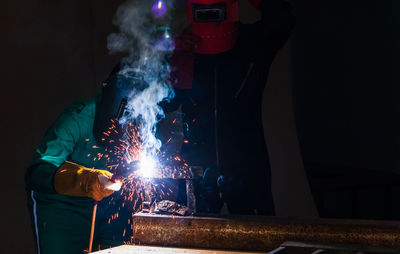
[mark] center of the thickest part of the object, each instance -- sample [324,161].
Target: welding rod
[106,183]
[92,227]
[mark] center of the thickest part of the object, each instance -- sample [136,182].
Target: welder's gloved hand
[209,200]
[76,180]
[229,186]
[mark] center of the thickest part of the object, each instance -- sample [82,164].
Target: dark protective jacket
[222,110]
[61,223]
[69,138]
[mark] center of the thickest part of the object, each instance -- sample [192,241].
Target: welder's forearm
[276,16]
[176,102]
[39,177]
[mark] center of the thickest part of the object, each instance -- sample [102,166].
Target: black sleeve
[173,104]
[265,37]
[277,18]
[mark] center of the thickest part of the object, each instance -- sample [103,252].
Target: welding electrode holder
[125,170]
[121,173]
[108,183]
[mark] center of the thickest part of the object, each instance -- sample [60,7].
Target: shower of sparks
[133,169]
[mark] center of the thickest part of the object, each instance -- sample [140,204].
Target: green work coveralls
[62,223]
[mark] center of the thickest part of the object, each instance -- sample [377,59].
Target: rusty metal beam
[126,249]
[258,233]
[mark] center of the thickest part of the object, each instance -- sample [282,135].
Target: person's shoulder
[83,107]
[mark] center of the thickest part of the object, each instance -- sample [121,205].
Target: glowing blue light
[159,9]
[166,43]
[147,166]
[166,34]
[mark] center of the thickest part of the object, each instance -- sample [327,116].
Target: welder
[220,69]
[62,180]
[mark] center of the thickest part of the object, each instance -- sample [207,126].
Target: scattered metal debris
[171,207]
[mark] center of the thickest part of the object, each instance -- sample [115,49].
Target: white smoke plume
[147,41]
[139,30]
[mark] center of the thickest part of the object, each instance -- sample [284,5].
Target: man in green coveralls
[63,184]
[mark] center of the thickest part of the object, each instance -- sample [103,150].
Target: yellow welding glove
[76,180]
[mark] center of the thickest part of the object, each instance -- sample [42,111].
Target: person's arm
[180,97]
[50,172]
[52,152]
[277,18]
[265,37]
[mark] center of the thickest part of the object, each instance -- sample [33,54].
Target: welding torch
[122,172]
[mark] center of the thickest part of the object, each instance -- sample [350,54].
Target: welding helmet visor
[111,110]
[215,22]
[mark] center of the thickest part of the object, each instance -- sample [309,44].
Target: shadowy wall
[53,53]
[345,66]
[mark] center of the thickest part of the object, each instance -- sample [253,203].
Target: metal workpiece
[190,197]
[186,173]
[129,249]
[180,172]
[189,174]
[257,233]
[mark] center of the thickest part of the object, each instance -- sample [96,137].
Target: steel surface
[258,233]
[129,249]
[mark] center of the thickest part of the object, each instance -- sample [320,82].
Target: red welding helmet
[215,22]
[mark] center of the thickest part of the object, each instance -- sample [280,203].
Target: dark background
[341,67]
[345,63]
